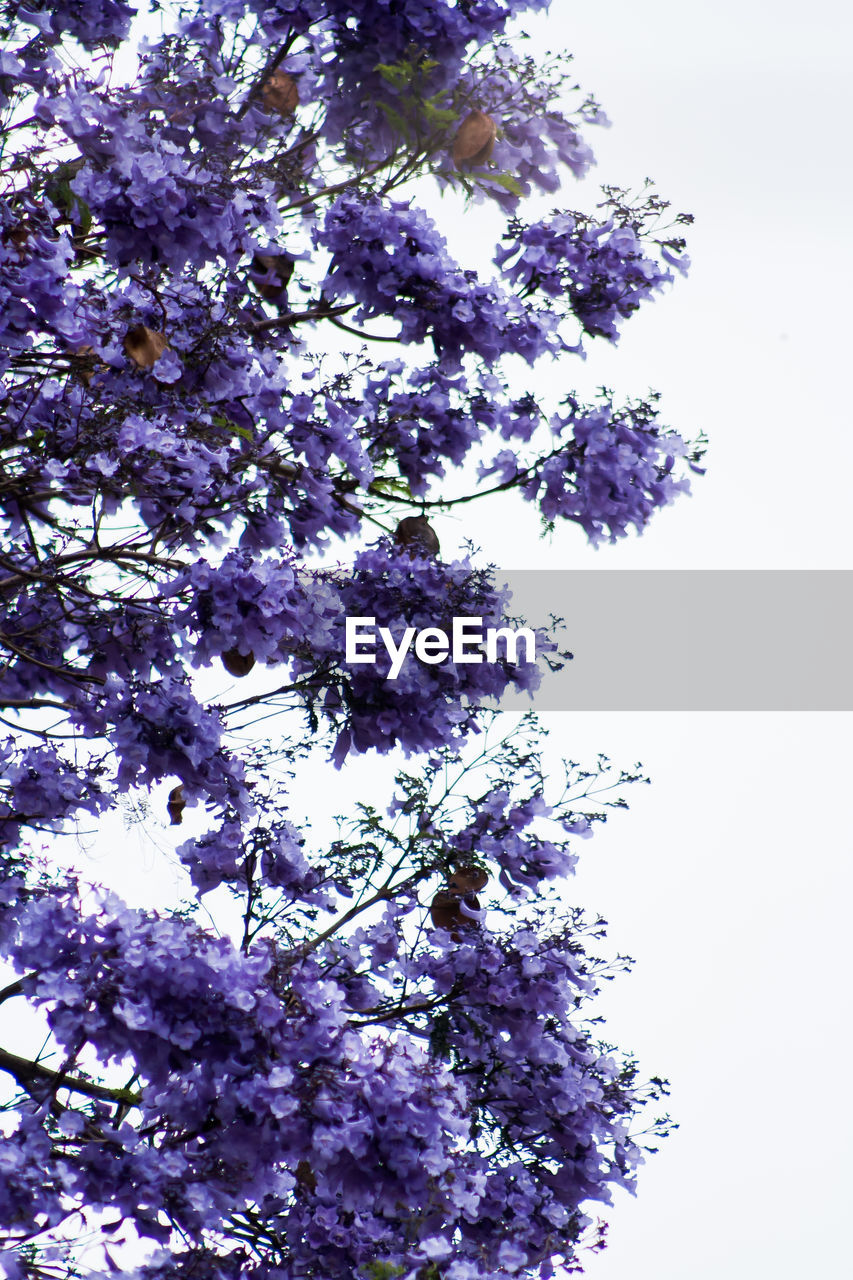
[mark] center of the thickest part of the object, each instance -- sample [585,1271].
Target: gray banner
[705,640]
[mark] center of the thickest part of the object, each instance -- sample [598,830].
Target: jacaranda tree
[233,337]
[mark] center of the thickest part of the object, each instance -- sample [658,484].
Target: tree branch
[295,317]
[27,1072]
[14,989]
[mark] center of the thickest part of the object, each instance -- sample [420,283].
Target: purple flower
[389,257]
[367,1067]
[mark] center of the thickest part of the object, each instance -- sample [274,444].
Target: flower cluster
[376,1065]
[392,260]
[262,1086]
[277,613]
[425,707]
[93,22]
[40,789]
[600,271]
[612,469]
[536,141]
[427,418]
[369,34]
[505,831]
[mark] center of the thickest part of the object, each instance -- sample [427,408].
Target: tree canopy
[235,338]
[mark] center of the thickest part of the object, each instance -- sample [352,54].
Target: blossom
[390,258]
[600,271]
[197,486]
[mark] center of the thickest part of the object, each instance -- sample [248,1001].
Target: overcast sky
[729,880]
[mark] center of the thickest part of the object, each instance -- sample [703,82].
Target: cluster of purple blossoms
[40,789]
[93,23]
[281,613]
[383,1068]
[535,143]
[366,35]
[612,468]
[261,1084]
[426,706]
[390,258]
[600,271]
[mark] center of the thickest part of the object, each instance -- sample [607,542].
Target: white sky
[729,880]
[741,114]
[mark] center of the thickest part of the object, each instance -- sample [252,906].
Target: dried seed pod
[237,663]
[271,274]
[84,364]
[452,911]
[280,93]
[444,912]
[474,141]
[176,804]
[417,535]
[305,1176]
[18,236]
[144,346]
[465,880]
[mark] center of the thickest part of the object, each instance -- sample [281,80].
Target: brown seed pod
[19,236]
[474,141]
[237,663]
[280,93]
[465,880]
[444,912]
[144,346]
[305,1176]
[84,364]
[271,274]
[417,535]
[175,805]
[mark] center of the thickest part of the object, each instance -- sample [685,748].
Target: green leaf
[507,181]
[58,190]
[397,74]
[227,424]
[395,120]
[390,487]
[441,116]
[384,1270]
